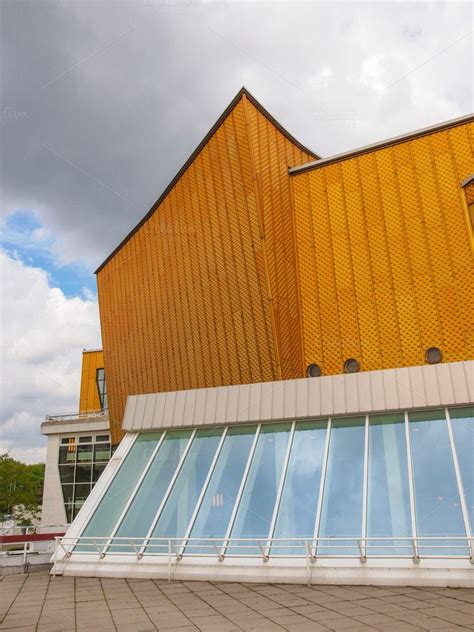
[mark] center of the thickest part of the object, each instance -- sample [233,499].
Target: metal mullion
[240,492]
[280,489]
[366,484]
[322,484]
[457,469]
[411,486]
[203,492]
[168,492]
[134,493]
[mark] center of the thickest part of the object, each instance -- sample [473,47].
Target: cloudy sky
[103,101]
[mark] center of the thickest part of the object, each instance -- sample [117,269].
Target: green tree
[21,488]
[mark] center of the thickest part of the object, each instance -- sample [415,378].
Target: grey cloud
[105,101]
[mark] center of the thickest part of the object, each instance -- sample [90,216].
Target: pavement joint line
[200,598]
[260,614]
[14,598]
[107,603]
[44,600]
[141,605]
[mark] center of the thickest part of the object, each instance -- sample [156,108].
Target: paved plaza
[43,603]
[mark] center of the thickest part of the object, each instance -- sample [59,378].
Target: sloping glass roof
[357,486]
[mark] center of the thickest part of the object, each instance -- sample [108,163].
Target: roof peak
[237,98]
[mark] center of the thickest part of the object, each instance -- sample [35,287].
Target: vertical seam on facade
[426,245]
[351,265]
[389,265]
[262,244]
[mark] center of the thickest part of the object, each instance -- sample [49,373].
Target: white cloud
[43,334]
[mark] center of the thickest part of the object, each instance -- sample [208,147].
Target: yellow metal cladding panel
[89,395]
[204,293]
[272,154]
[384,254]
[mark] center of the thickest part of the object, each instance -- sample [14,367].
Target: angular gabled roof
[243,91]
[320,162]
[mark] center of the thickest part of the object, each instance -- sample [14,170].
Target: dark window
[84,453]
[97,471]
[66,473]
[68,491]
[81,461]
[102,388]
[102,452]
[83,473]
[69,513]
[81,492]
[67,454]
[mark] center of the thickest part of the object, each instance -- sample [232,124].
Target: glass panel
[102,438]
[297,512]
[83,473]
[341,513]
[216,508]
[258,498]
[67,440]
[84,453]
[76,509]
[388,502]
[438,508]
[462,423]
[179,507]
[140,514]
[68,491]
[113,501]
[82,492]
[102,452]
[66,473]
[85,439]
[68,513]
[67,454]
[96,472]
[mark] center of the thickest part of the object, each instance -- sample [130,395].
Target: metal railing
[311,549]
[77,415]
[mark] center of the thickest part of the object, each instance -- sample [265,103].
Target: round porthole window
[433,355]
[313,370]
[351,366]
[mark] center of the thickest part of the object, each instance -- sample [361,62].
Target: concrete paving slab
[39,602]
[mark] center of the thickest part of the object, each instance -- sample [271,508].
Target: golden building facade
[385,252]
[248,271]
[90,396]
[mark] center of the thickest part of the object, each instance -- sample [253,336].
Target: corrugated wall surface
[204,293]
[384,254]
[89,396]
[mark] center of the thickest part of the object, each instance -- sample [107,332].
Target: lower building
[357,478]
[78,447]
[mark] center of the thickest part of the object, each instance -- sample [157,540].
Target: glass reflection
[438,508]
[255,511]
[143,508]
[113,502]
[388,510]
[341,513]
[462,424]
[218,502]
[179,507]
[297,511]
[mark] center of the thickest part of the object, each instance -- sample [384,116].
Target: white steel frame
[313,548]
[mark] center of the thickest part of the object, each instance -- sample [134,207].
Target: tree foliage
[21,488]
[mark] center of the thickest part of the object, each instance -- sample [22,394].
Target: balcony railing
[79,416]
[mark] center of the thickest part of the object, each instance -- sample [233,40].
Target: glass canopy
[362,486]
